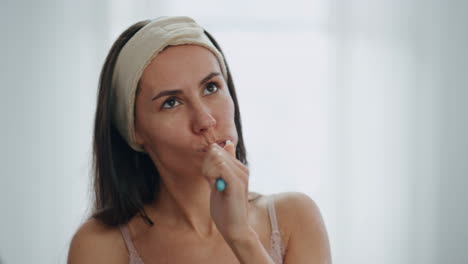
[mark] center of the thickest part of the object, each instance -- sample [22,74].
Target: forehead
[177,65]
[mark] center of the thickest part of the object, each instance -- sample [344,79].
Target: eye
[211,87]
[170,103]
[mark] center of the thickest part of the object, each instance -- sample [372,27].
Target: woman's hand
[229,208]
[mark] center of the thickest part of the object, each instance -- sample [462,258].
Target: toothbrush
[220,184]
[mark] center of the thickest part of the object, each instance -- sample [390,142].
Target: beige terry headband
[137,53]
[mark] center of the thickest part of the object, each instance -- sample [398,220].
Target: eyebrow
[178,91]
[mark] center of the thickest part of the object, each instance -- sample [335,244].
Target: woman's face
[183,104]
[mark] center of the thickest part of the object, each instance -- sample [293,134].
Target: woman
[170,167]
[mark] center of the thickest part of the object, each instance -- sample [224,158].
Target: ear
[138,137]
[139,140]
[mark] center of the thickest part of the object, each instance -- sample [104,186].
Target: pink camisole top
[276,250]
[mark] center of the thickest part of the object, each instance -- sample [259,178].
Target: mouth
[221,143]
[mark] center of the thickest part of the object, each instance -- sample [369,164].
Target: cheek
[225,107]
[225,116]
[168,133]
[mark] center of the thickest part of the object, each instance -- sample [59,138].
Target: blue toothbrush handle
[220,184]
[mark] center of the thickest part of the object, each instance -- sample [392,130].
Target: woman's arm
[308,240]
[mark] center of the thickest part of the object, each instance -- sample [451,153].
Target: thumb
[229,147]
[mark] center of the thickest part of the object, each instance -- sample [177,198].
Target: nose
[203,121]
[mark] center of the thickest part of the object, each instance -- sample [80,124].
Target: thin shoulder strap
[277,250]
[132,253]
[272,212]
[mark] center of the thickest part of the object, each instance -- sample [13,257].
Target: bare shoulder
[95,242]
[307,238]
[290,207]
[296,204]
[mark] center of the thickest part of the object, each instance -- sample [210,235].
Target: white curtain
[359,104]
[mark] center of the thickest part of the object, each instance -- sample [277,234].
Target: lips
[221,143]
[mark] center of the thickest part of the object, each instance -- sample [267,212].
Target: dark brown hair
[124,180]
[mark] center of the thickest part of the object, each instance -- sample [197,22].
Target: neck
[183,204]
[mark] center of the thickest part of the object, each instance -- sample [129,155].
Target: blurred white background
[360,104]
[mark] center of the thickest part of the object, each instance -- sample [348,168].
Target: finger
[220,164]
[229,147]
[225,173]
[215,163]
